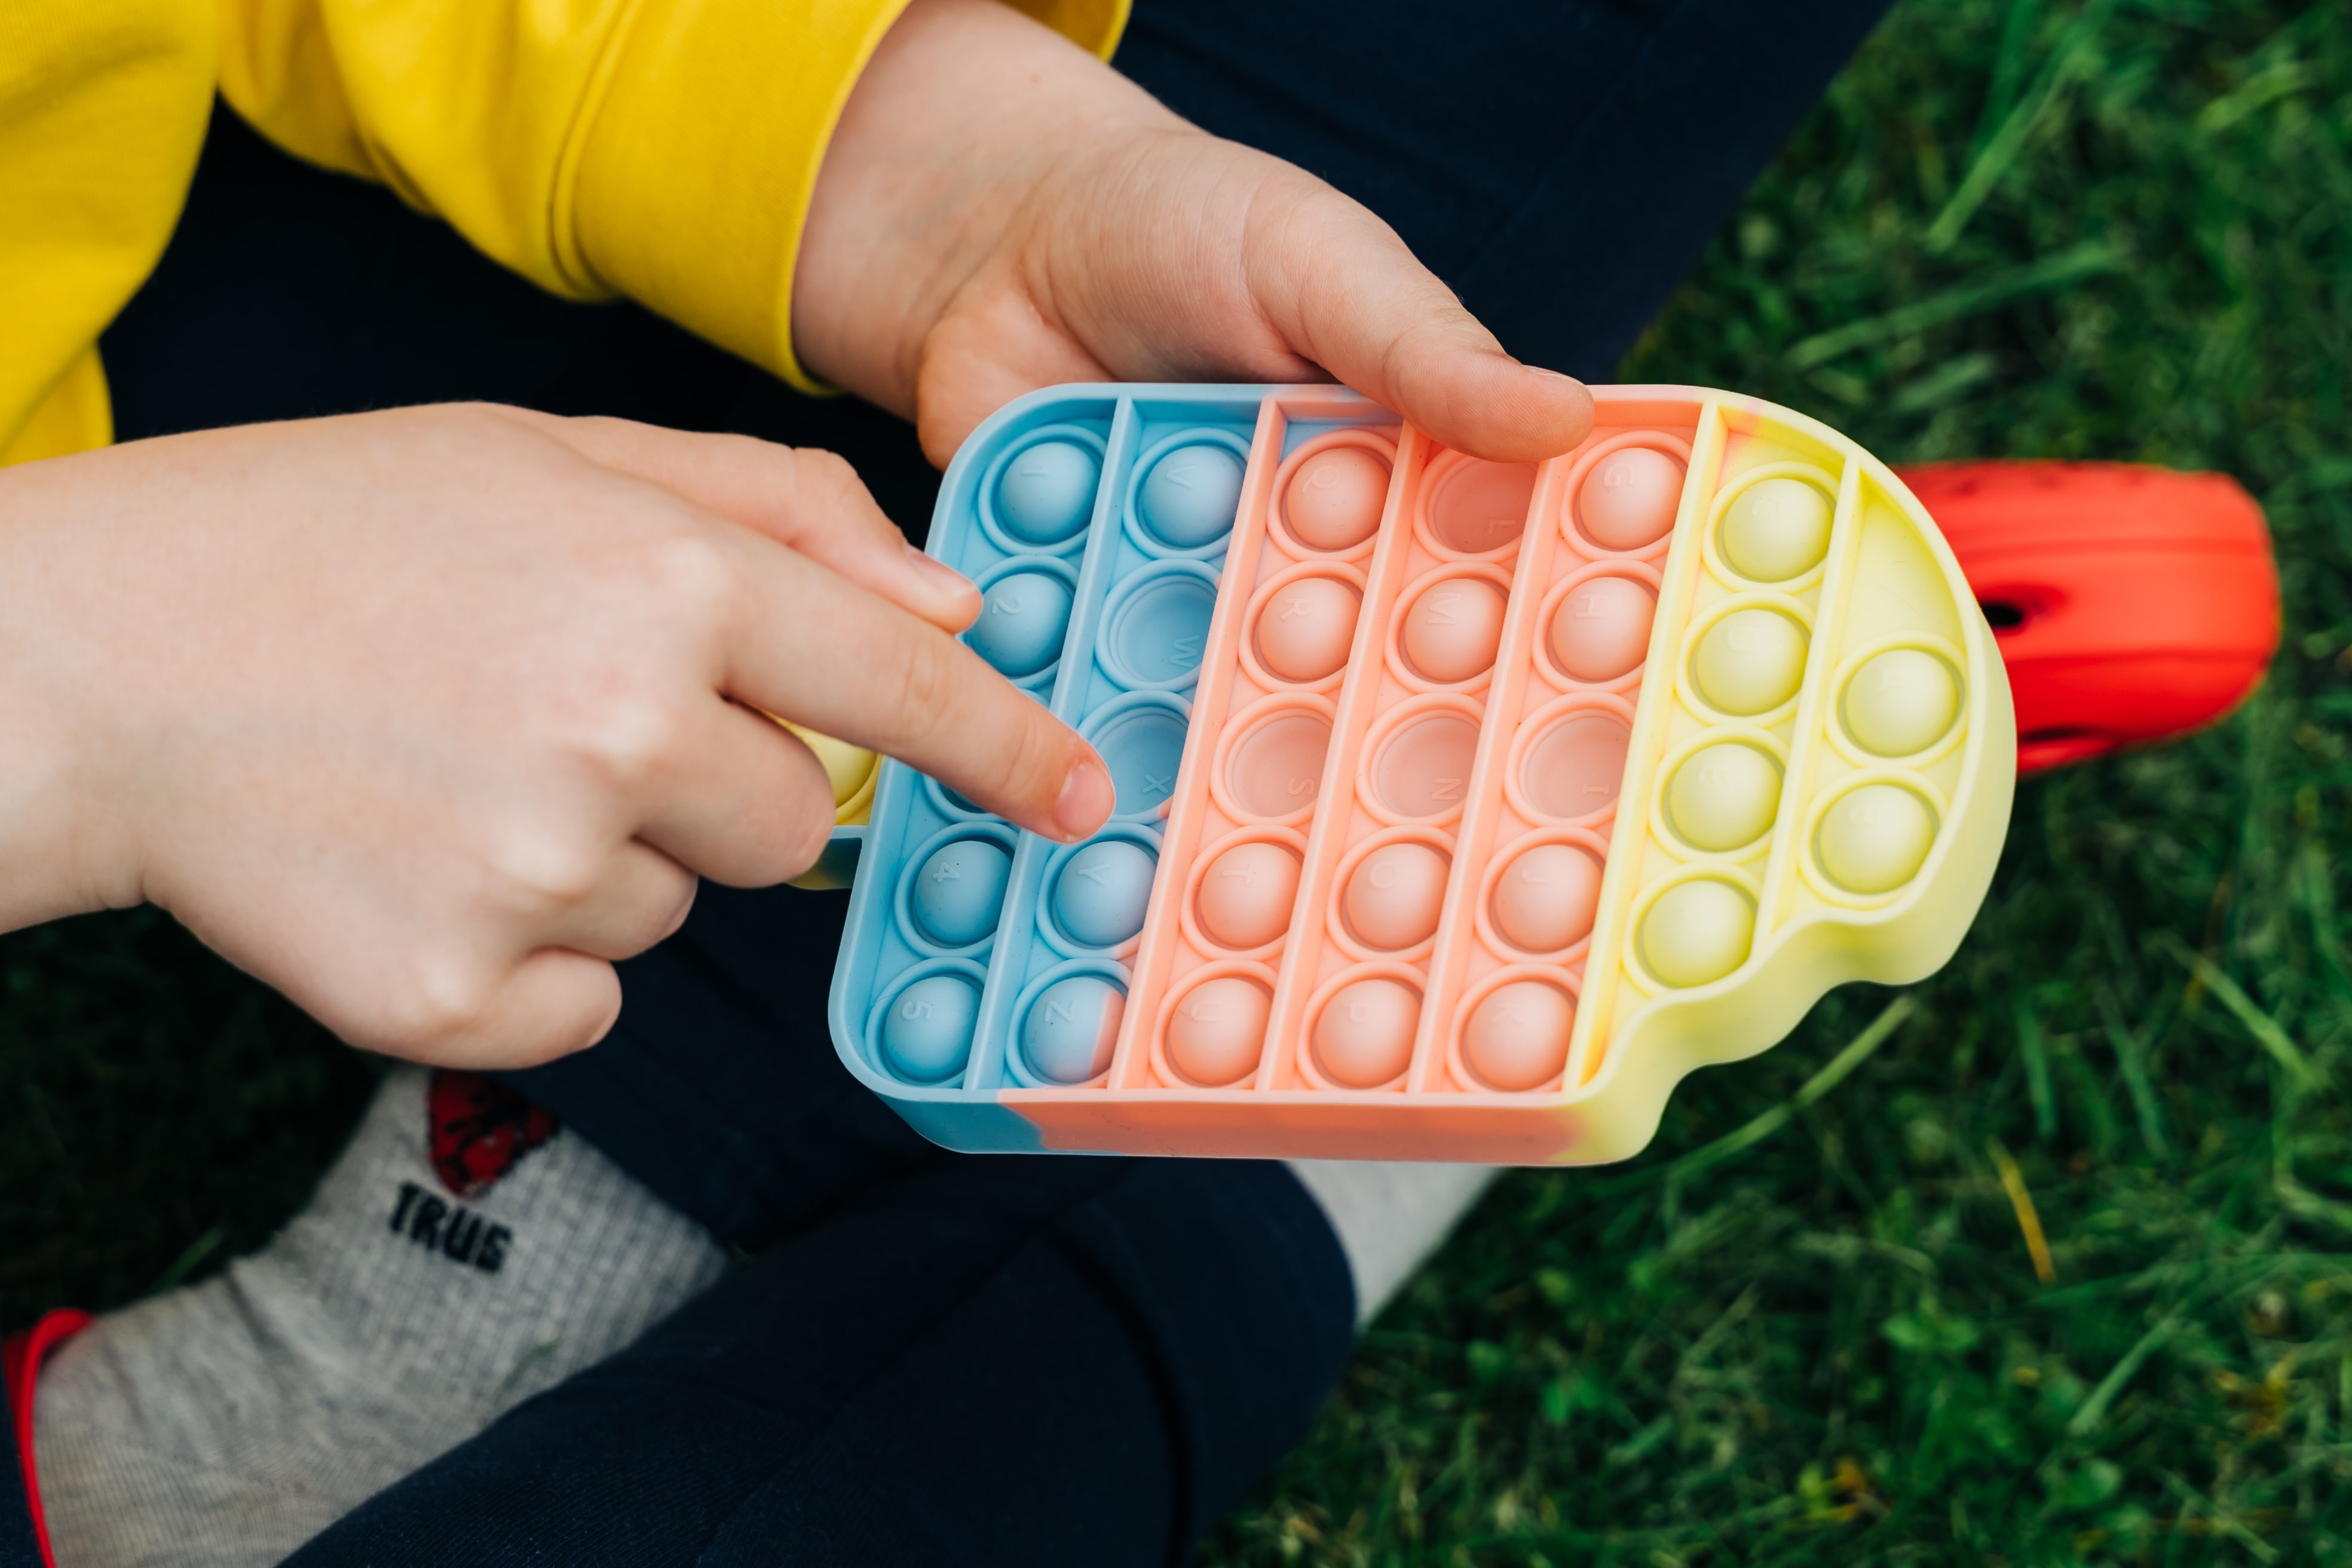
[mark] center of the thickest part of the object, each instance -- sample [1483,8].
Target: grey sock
[407,1307]
[1389,1215]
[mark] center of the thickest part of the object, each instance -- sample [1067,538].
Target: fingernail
[1086,801]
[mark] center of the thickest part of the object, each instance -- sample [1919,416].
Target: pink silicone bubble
[1452,628]
[1394,896]
[1629,497]
[1546,899]
[1518,1037]
[1602,629]
[1334,501]
[1364,1038]
[1480,506]
[1574,768]
[1247,894]
[1218,1030]
[1276,768]
[1425,769]
[1304,630]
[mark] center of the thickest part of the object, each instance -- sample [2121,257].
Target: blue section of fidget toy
[876,953]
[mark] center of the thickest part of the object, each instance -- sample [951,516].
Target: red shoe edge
[22,1355]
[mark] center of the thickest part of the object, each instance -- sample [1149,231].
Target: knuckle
[690,572]
[544,871]
[439,1008]
[930,680]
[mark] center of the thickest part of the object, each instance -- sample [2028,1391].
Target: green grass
[2112,230]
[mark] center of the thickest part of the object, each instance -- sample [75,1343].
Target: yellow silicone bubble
[1723,795]
[1874,839]
[1698,931]
[1750,661]
[846,767]
[1900,701]
[1776,529]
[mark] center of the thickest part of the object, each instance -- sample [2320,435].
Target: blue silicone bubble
[1192,495]
[928,1035]
[1047,491]
[1099,898]
[1158,626]
[1067,1036]
[1142,747]
[958,894]
[1023,620]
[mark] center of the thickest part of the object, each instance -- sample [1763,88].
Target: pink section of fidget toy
[1377,697]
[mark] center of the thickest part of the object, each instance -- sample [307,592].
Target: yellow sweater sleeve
[662,149]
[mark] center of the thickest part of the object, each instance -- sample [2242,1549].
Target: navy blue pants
[936,1358]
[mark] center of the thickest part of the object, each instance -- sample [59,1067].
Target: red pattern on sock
[479,1128]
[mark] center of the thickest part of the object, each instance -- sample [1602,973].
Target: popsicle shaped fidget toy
[1462,807]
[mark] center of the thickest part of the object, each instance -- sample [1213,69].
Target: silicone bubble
[1629,498]
[1364,1038]
[1304,630]
[1602,628]
[1478,506]
[1071,1029]
[1424,770]
[1546,899]
[1190,494]
[1142,748]
[1099,898]
[1023,618]
[1874,839]
[926,1035]
[1776,529]
[1750,661]
[1334,501]
[1394,896]
[1275,770]
[846,767]
[1218,1030]
[1698,931]
[1452,630]
[1723,796]
[1901,701]
[1575,767]
[1047,491]
[957,895]
[1247,894]
[1157,632]
[1518,1037]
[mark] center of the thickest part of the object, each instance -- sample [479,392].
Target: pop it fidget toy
[1461,808]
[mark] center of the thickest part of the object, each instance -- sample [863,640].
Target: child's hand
[424,717]
[999,211]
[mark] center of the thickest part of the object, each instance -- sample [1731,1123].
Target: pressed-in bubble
[1394,896]
[1142,747]
[1698,931]
[1602,628]
[1477,506]
[1022,619]
[959,892]
[1364,1038]
[1072,1027]
[1423,767]
[1629,498]
[1874,840]
[1546,899]
[1518,1037]
[1901,701]
[1217,1032]
[1304,627]
[1047,491]
[1100,897]
[1333,501]
[1750,661]
[1159,627]
[1776,529]
[1452,628]
[1576,765]
[926,1035]
[1190,494]
[1247,894]
[1275,769]
[1723,796]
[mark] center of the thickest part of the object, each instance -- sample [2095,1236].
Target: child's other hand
[999,211]
[426,717]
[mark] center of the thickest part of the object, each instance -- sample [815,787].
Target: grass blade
[2088,259]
